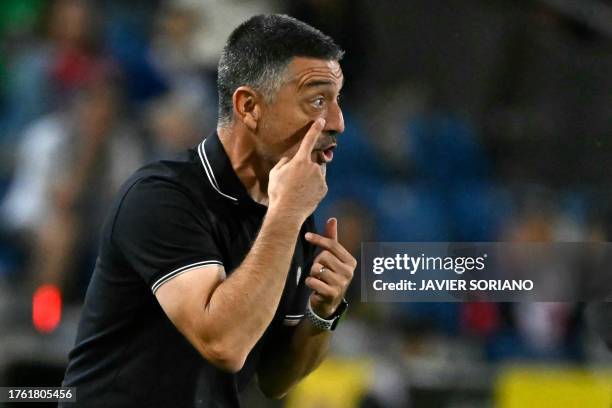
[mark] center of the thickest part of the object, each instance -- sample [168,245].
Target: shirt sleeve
[161,232]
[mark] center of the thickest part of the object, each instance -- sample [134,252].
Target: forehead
[305,71]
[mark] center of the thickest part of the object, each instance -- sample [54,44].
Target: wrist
[285,215]
[322,312]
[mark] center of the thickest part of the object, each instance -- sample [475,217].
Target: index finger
[331,229]
[310,139]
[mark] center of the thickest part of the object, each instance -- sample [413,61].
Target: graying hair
[258,52]
[269,82]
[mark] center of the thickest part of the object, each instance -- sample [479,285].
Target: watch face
[335,323]
[341,308]
[338,313]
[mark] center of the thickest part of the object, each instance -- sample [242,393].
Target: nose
[334,121]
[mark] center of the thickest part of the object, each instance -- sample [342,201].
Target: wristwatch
[331,322]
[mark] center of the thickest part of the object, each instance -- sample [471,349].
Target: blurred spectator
[82,156]
[218,18]
[173,55]
[166,64]
[44,74]
[175,123]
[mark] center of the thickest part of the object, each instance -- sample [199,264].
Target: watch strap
[330,323]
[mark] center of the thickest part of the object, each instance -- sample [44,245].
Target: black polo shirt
[171,217]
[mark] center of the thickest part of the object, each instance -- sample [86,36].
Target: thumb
[331,229]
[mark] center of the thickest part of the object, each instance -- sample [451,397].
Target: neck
[248,165]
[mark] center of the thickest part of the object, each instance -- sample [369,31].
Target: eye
[318,102]
[338,98]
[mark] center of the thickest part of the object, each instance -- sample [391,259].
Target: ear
[247,106]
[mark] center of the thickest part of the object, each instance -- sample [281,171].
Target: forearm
[241,307]
[297,357]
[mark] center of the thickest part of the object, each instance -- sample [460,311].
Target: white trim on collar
[209,171]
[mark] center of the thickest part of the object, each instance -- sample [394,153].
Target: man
[207,274]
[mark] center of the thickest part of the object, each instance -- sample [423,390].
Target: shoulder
[160,195]
[164,179]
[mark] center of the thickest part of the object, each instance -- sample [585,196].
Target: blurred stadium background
[467,120]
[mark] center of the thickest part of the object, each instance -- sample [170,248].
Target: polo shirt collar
[218,171]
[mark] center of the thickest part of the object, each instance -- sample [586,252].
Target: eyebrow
[320,82]
[316,83]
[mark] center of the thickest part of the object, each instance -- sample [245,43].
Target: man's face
[311,90]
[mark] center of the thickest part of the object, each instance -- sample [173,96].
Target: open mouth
[326,154]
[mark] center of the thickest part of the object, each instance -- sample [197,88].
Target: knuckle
[349,279]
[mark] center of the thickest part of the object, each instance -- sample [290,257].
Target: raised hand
[331,272]
[297,185]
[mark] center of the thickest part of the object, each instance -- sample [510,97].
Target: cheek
[295,136]
[284,135]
